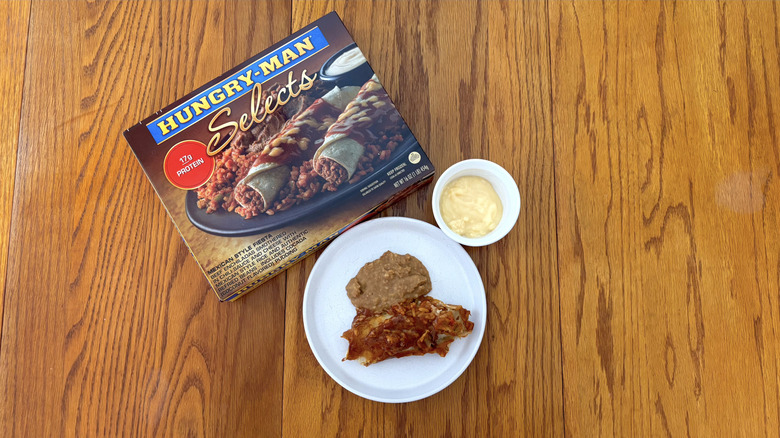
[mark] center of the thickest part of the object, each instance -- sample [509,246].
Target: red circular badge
[187,165]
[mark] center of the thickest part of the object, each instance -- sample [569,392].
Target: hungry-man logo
[235,86]
[198,107]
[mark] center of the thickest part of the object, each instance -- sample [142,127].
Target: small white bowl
[505,187]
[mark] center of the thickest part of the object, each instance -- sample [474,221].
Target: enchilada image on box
[265,164]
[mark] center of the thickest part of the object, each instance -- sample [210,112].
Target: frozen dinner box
[265,164]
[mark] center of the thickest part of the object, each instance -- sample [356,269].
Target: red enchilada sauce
[412,328]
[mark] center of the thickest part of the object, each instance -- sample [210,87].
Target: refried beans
[388,280]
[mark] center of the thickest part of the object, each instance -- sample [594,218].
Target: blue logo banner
[231,88]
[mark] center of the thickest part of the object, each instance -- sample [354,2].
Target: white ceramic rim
[504,185]
[479,327]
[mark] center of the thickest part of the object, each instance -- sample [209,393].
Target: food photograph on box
[273,159]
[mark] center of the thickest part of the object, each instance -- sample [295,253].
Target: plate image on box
[328,312]
[228,224]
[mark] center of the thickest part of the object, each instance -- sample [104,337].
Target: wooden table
[637,295]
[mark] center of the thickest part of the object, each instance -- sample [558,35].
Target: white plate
[327,311]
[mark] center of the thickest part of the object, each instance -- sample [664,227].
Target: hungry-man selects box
[265,164]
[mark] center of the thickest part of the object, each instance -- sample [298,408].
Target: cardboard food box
[267,163]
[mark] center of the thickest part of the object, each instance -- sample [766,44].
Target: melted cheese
[470,206]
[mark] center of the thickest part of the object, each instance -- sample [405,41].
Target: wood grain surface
[13,46]
[638,294]
[667,201]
